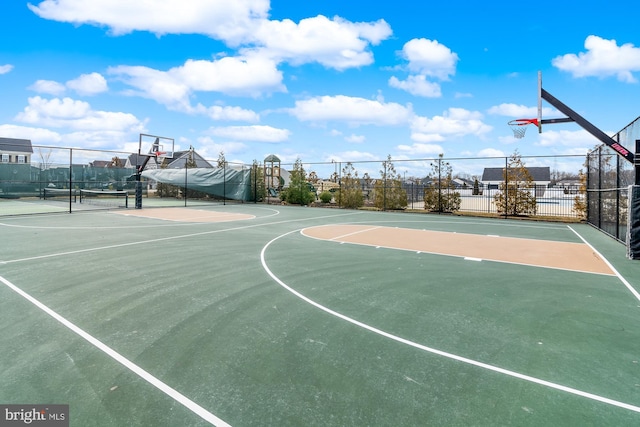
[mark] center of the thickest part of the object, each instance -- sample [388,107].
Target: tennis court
[257,315]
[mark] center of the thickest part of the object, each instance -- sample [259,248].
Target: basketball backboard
[158,146]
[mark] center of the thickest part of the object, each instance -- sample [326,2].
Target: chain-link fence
[43,179]
[545,186]
[608,179]
[51,179]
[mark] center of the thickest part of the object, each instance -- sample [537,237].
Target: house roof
[100,163]
[537,173]
[16,145]
[177,162]
[179,157]
[136,159]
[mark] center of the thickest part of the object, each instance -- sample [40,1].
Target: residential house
[493,177]
[179,160]
[100,163]
[15,150]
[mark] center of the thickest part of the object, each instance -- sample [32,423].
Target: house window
[21,158]
[4,158]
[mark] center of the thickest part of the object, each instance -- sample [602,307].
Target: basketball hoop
[159,157]
[519,126]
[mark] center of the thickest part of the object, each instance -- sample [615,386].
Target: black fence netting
[42,179]
[52,179]
[547,186]
[608,179]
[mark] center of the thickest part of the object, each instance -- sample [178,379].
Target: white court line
[166,389]
[433,350]
[355,232]
[339,237]
[465,257]
[161,239]
[217,218]
[606,261]
[118,227]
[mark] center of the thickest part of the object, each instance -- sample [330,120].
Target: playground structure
[275,177]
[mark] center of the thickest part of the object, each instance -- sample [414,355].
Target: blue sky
[316,80]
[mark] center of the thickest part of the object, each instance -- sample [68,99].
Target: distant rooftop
[16,145]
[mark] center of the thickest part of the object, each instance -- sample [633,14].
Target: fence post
[633,216]
[440,184]
[587,187]
[506,187]
[70,177]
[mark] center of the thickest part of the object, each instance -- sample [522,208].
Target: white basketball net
[519,127]
[519,130]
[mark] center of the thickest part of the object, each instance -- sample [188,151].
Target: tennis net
[60,194]
[106,198]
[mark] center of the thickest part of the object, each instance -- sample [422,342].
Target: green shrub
[325,197]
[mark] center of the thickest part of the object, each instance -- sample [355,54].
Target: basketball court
[257,315]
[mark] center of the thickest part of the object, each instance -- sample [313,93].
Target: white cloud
[76,115]
[355,139]
[335,42]
[351,156]
[421,149]
[521,111]
[232,21]
[430,58]
[352,110]
[4,69]
[563,139]
[210,149]
[604,58]
[49,87]
[251,133]
[160,86]
[454,122]
[250,75]
[56,108]
[37,135]
[225,113]
[88,84]
[85,84]
[104,139]
[491,152]
[417,85]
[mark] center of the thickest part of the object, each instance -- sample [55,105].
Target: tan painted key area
[186,215]
[541,253]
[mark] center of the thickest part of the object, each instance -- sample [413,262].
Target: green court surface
[137,321]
